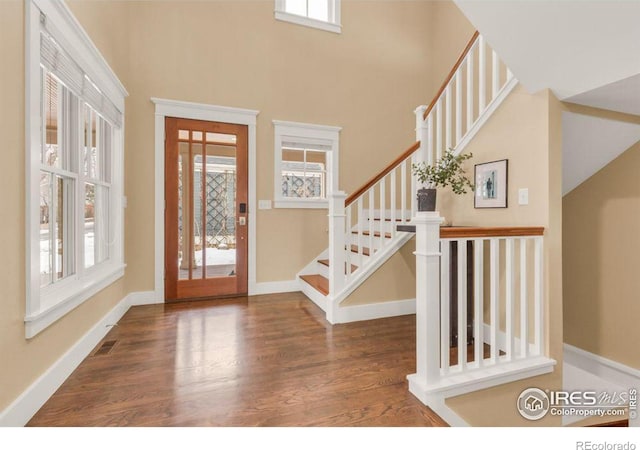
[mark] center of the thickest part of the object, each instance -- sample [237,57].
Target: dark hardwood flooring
[261,361]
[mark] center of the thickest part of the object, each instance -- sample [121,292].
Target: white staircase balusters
[450,121]
[512,354]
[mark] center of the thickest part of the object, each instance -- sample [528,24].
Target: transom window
[74,155]
[306,158]
[322,14]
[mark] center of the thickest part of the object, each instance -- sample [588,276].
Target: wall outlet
[523,196]
[264,204]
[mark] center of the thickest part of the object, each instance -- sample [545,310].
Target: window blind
[55,60]
[304,144]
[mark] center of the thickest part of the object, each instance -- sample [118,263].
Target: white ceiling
[623,96]
[587,52]
[590,143]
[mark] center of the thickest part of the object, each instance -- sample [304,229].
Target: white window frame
[306,133]
[333,25]
[45,305]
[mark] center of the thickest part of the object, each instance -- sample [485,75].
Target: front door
[206,209]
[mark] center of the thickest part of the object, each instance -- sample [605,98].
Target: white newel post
[337,245]
[427,301]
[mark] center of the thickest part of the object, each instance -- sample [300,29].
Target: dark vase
[426,199]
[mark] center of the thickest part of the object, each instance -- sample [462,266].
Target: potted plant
[448,171]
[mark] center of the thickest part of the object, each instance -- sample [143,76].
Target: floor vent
[105,348]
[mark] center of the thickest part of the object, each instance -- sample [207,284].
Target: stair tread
[386,220]
[375,233]
[318,282]
[365,250]
[325,262]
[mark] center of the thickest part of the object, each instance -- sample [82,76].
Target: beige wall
[394,280]
[526,130]
[29,359]
[367,80]
[602,257]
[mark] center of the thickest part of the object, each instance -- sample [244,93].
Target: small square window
[306,159]
[321,14]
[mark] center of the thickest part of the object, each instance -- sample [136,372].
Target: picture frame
[491,181]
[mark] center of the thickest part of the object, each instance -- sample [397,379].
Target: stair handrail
[380,175]
[452,73]
[362,224]
[413,148]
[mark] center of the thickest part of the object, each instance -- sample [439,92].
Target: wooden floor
[261,361]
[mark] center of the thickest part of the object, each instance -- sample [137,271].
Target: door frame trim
[212,113]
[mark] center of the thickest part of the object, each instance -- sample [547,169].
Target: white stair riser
[322,270]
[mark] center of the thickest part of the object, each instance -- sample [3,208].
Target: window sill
[308,22]
[301,204]
[58,303]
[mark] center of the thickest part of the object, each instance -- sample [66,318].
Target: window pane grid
[72,132]
[303,173]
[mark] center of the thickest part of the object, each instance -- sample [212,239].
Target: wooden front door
[206,209]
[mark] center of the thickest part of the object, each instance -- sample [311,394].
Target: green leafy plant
[448,171]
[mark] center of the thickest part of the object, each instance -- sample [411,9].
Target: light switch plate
[264,204]
[523,196]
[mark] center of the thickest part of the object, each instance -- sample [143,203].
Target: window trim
[328,135]
[334,26]
[46,305]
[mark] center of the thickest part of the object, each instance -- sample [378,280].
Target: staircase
[363,226]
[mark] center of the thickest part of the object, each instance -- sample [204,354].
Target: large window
[322,14]
[306,164]
[74,166]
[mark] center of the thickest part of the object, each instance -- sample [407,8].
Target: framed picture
[491,184]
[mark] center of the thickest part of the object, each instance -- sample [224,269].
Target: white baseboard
[144,298]
[608,370]
[31,400]
[275,287]
[355,313]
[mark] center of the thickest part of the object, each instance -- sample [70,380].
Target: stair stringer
[486,114]
[375,262]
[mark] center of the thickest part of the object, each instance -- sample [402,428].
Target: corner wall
[526,130]
[602,256]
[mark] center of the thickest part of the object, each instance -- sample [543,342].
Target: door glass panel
[220,210]
[183,135]
[197,208]
[197,135]
[219,138]
[183,210]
